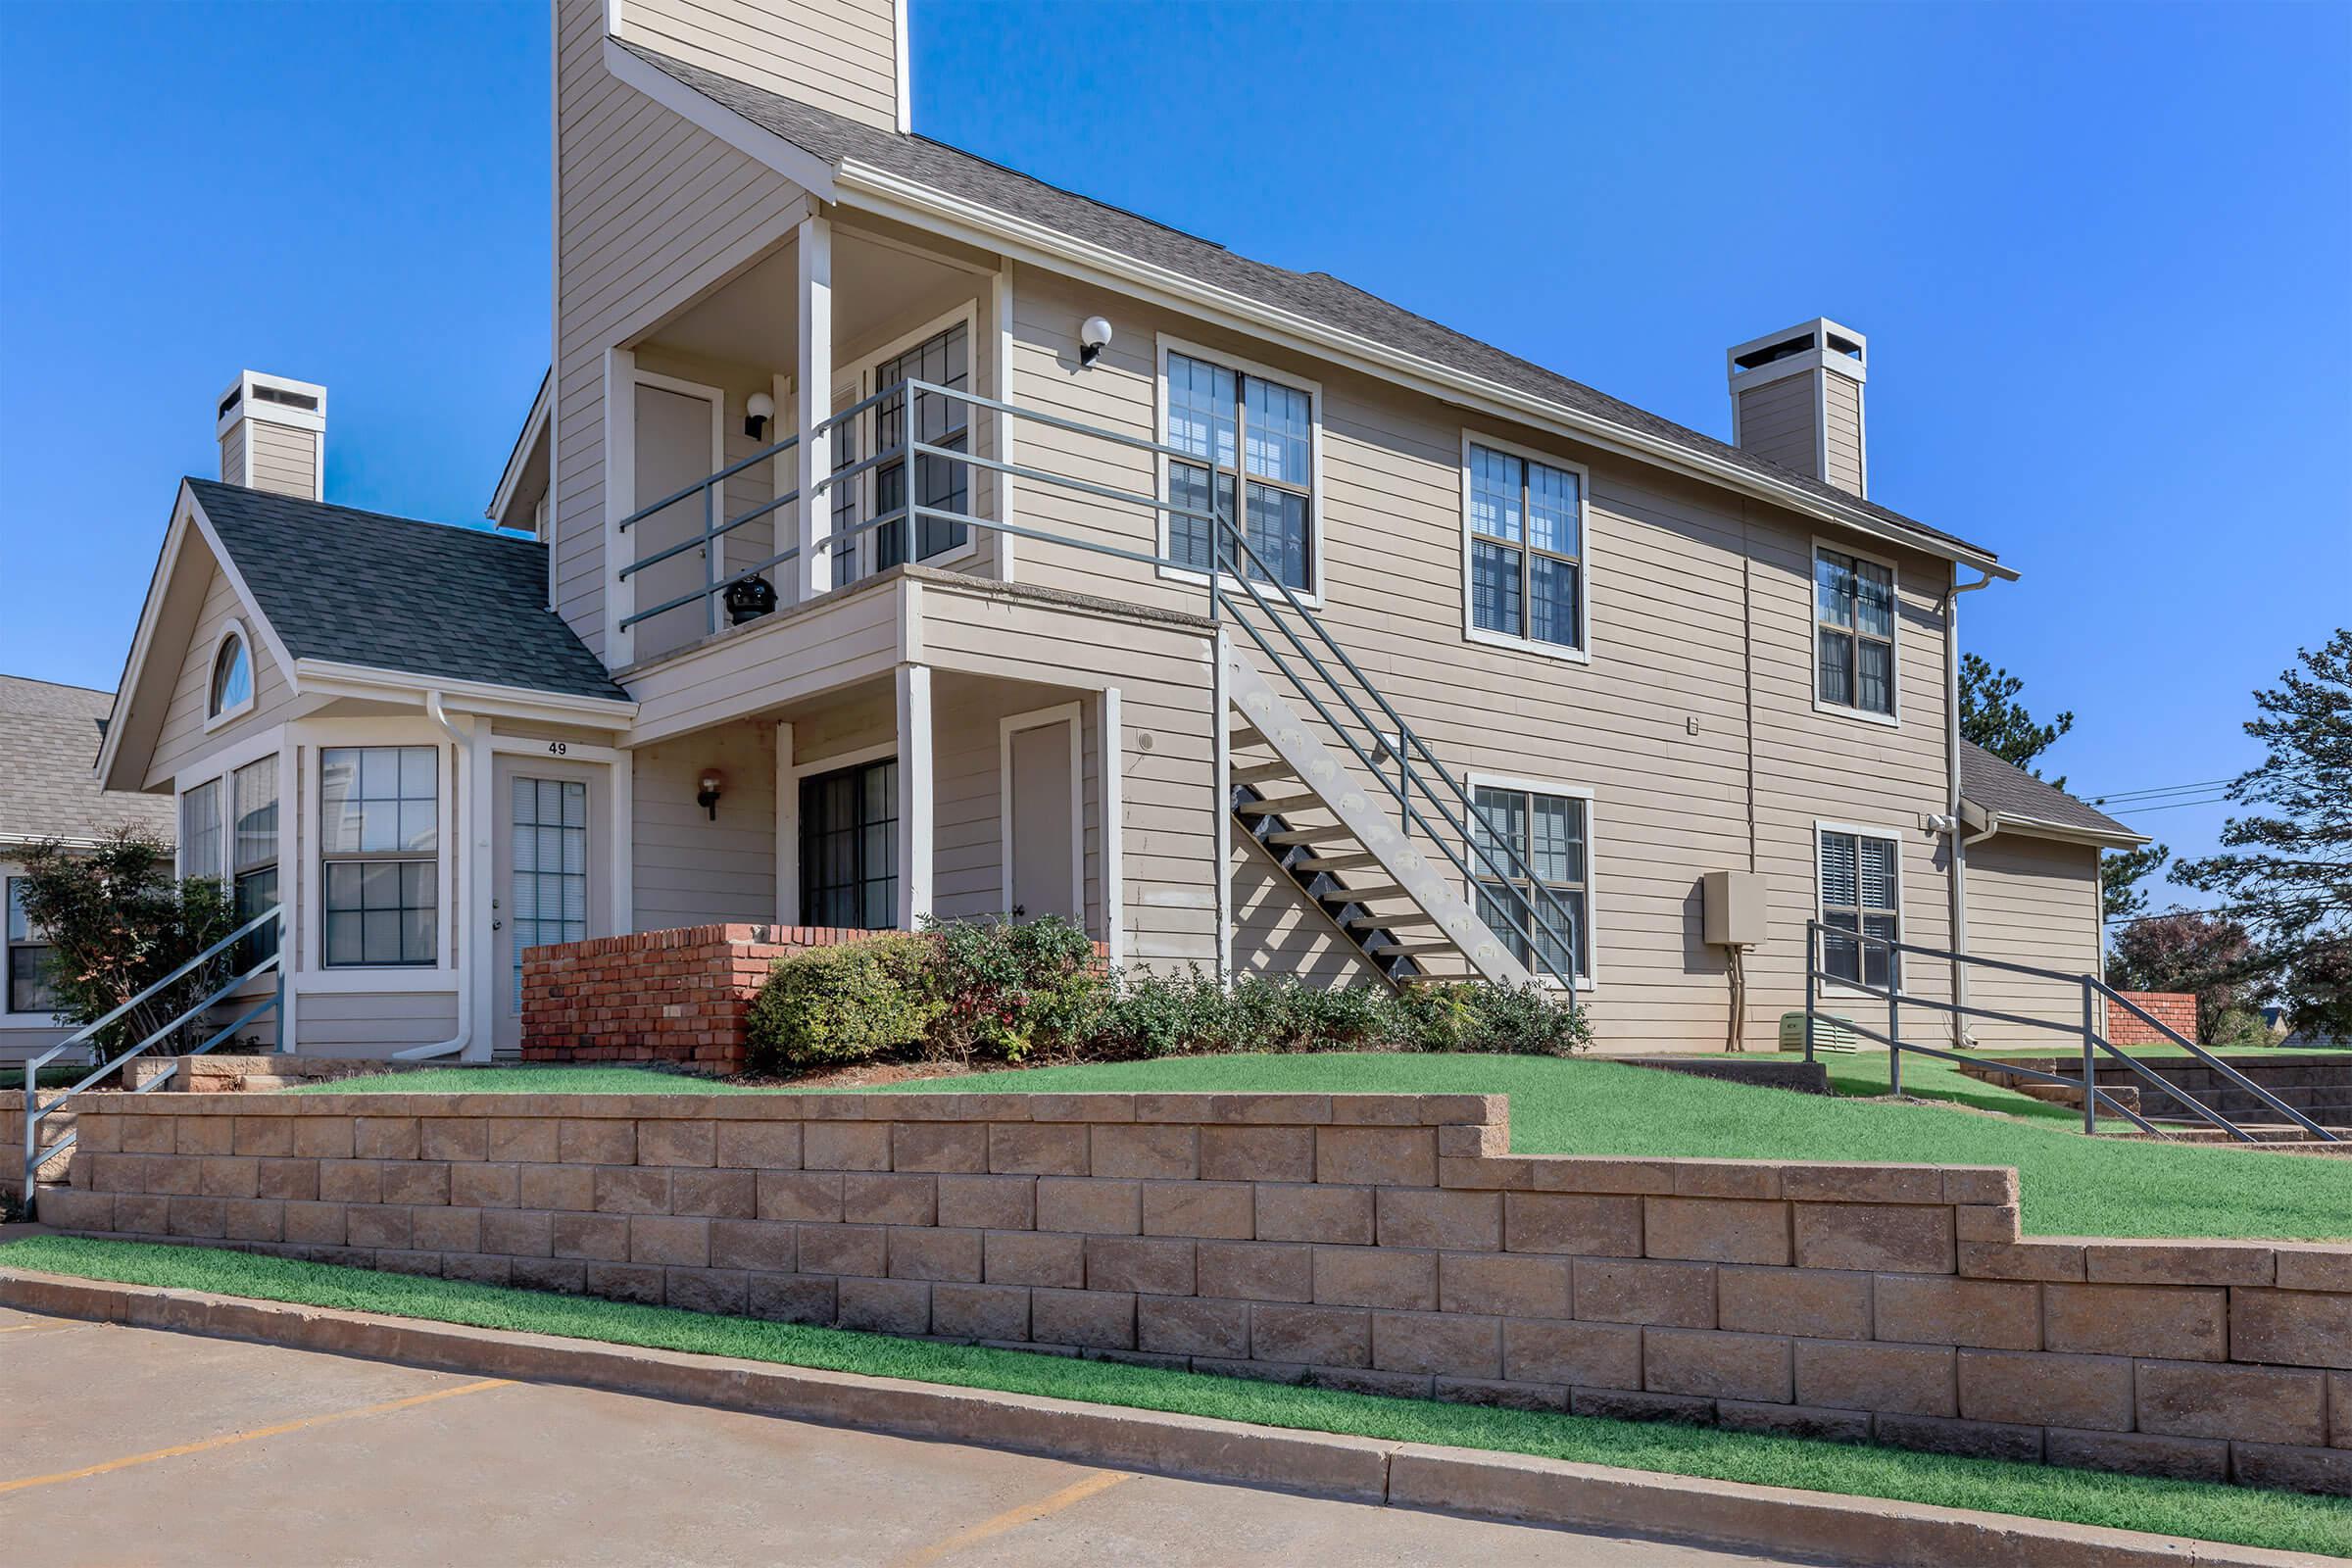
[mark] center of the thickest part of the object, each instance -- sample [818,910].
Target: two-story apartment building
[896,536]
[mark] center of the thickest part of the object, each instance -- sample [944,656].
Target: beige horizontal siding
[1842,435]
[689,868]
[839,54]
[181,741]
[284,461]
[2031,902]
[346,1023]
[1777,422]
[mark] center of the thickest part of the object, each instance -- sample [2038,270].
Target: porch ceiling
[753,320]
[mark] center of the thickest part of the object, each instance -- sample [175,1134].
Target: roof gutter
[895,196]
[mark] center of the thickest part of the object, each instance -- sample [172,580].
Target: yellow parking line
[1013,1518]
[284,1427]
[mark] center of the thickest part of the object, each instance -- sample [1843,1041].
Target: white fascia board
[2035,828]
[795,163]
[186,517]
[534,429]
[326,678]
[878,191]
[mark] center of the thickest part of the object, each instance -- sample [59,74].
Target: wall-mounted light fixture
[1093,339]
[758,410]
[707,792]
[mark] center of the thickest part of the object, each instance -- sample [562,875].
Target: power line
[2168,806]
[2165,789]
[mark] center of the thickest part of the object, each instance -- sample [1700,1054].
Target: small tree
[1993,717]
[2315,988]
[120,922]
[2211,956]
[2121,872]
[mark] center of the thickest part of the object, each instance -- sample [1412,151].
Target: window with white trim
[379,839]
[253,853]
[199,830]
[1527,575]
[1548,834]
[1853,632]
[1861,892]
[232,677]
[941,484]
[29,953]
[1259,434]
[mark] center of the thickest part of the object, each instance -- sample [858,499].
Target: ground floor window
[550,889]
[253,853]
[1535,840]
[1859,892]
[849,847]
[380,841]
[28,956]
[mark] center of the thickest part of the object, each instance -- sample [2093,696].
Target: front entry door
[546,870]
[675,424]
[1040,816]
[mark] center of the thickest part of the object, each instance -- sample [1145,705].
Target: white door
[547,890]
[1043,854]
[676,433]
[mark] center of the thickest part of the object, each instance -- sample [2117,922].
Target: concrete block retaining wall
[1380,1243]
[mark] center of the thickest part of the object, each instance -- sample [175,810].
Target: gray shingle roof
[48,784]
[426,598]
[2010,791]
[1318,296]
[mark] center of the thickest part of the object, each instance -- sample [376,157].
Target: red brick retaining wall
[1375,1242]
[2177,1009]
[677,995]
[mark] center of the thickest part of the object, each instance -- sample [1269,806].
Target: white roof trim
[186,515]
[2035,828]
[793,161]
[534,429]
[878,190]
[328,678]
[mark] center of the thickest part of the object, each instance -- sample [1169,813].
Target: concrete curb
[1493,1486]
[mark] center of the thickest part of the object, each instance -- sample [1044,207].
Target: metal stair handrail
[35,1111]
[2093,1042]
[1535,911]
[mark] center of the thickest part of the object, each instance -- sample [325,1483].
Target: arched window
[232,676]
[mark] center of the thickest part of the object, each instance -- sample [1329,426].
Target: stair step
[1282,806]
[1381,922]
[1331,833]
[1244,735]
[1364,895]
[1264,774]
[1416,949]
[1338,862]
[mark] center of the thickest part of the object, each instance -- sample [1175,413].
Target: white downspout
[455,1044]
[1960,839]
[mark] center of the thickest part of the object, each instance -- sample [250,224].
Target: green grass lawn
[2282,1521]
[2073,1186]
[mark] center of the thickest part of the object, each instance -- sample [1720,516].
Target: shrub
[1006,990]
[829,1007]
[993,989]
[120,922]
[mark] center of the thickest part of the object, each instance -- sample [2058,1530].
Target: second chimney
[273,435]
[1797,399]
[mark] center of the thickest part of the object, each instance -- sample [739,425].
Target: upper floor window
[1255,439]
[1853,632]
[28,957]
[253,852]
[379,837]
[232,676]
[1526,523]
[1861,891]
[941,484]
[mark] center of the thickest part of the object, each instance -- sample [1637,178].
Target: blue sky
[2103,254]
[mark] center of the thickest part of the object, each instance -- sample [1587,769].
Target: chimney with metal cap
[273,435]
[1797,399]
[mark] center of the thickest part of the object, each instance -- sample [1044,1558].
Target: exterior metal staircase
[1325,774]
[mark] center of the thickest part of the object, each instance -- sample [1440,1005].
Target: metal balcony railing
[1428,796]
[2086,1033]
[36,1111]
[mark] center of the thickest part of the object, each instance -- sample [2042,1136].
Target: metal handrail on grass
[2093,1041]
[37,1111]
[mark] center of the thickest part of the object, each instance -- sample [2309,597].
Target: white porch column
[914,795]
[812,401]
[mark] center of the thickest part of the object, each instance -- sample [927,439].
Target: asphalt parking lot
[136,1445]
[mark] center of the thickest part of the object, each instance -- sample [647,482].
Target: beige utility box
[1733,901]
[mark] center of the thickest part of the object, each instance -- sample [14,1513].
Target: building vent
[273,435]
[1796,399]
